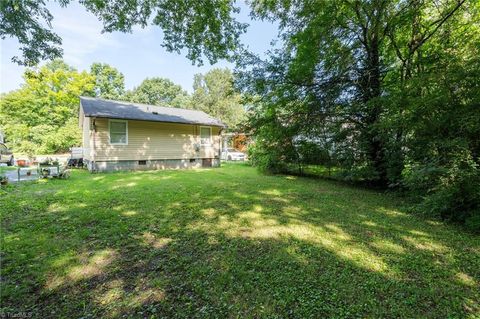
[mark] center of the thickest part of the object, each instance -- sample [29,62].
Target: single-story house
[129,136]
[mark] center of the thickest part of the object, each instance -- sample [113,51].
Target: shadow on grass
[228,243]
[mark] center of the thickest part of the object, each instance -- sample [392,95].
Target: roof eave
[143,120]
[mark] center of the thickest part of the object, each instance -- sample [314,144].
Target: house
[129,136]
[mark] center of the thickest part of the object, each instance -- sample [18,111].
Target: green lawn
[227,242]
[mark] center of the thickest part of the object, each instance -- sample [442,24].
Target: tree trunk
[371,98]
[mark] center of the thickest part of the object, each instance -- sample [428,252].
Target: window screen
[118,132]
[205,135]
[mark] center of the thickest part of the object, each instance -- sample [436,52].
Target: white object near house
[231,154]
[76,152]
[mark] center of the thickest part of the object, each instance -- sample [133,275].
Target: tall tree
[214,94]
[338,61]
[386,86]
[109,82]
[159,91]
[42,116]
[203,28]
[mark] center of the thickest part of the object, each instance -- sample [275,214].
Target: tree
[386,86]
[206,28]
[337,62]
[109,82]
[159,91]
[42,116]
[26,21]
[215,95]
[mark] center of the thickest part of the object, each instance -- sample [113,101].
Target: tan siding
[154,140]
[86,137]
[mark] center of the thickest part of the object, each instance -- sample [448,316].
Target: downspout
[196,144]
[220,145]
[93,144]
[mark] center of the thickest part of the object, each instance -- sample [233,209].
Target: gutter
[222,125]
[93,144]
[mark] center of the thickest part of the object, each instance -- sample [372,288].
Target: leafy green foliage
[42,116]
[159,91]
[227,242]
[214,94]
[204,29]
[109,82]
[25,20]
[274,147]
[455,195]
[388,89]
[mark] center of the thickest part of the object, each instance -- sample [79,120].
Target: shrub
[452,194]
[267,160]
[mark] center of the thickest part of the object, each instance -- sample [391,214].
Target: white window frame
[211,139]
[110,138]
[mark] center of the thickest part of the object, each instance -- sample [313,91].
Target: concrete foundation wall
[110,166]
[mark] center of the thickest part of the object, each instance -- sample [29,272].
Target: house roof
[94,107]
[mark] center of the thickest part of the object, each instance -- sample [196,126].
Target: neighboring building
[127,136]
[241,142]
[238,141]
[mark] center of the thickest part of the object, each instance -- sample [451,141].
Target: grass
[224,243]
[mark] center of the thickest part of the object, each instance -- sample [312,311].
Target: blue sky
[137,55]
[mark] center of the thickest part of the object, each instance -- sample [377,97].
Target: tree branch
[440,22]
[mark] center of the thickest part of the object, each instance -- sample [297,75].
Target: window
[205,135]
[118,132]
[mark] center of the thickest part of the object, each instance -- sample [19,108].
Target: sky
[137,55]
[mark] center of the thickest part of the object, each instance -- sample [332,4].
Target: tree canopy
[42,116]
[159,91]
[202,28]
[214,94]
[109,82]
[386,89]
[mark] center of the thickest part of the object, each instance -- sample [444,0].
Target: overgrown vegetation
[227,242]
[387,91]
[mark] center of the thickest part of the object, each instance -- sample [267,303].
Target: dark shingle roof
[93,107]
